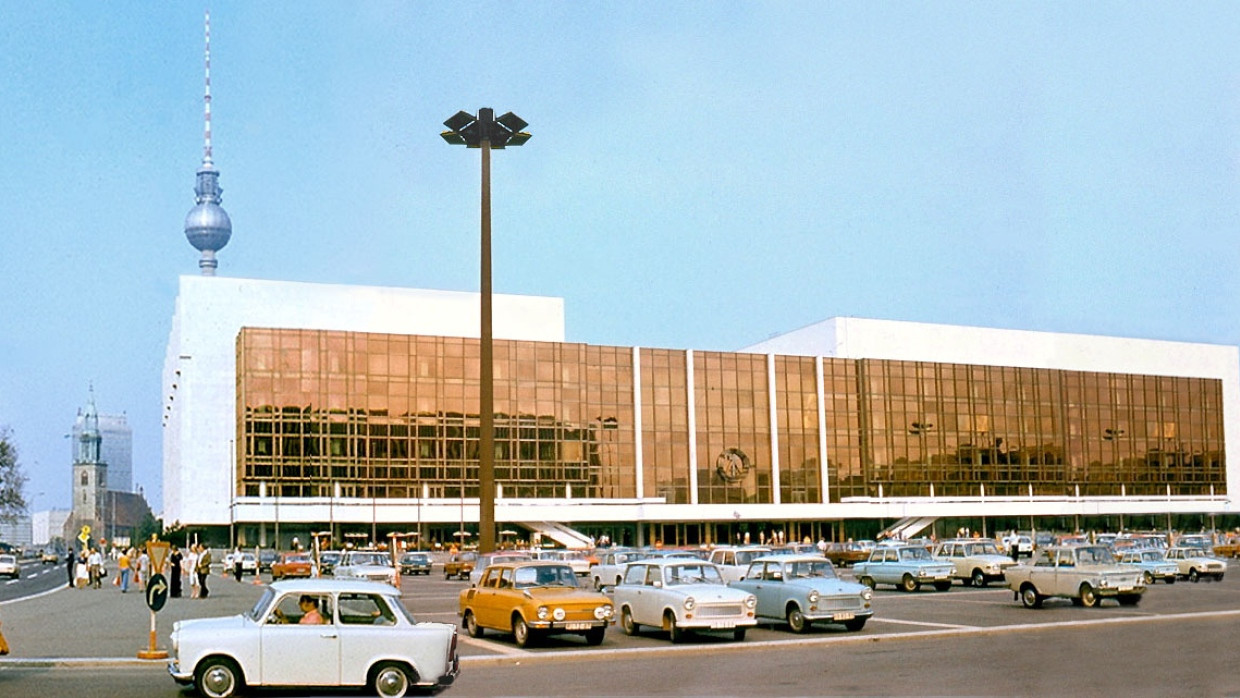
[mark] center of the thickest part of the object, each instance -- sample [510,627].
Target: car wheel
[1129,599]
[626,622]
[390,680]
[909,584]
[855,624]
[1171,579]
[218,677]
[942,586]
[594,636]
[674,632]
[739,634]
[446,576]
[521,632]
[1088,598]
[868,581]
[796,619]
[471,625]
[598,584]
[1149,578]
[1030,597]
[1194,576]
[979,579]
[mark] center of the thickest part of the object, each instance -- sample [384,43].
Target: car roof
[528,563]
[333,584]
[792,557]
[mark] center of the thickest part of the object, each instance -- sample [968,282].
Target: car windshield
[296,558]
[256,613]
[691,574]
[415,557]
[809,568]
[380,559]
[329,556]
[544,576]
[1153,556]
[1094,555]
[744,557]
[985,548]
[914,554]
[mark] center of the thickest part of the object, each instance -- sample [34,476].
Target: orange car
[531,599]
[292,565]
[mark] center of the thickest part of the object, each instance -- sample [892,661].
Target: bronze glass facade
[323,413]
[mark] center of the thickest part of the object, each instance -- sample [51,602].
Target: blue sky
[701,174]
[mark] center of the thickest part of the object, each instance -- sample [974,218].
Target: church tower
[90,475]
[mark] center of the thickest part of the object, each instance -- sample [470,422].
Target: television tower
[207,226]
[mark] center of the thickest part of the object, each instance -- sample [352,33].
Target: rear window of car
[365,609]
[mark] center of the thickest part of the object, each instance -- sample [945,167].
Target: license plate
[844,616]
[723,624]
[1124,589]
[577,626]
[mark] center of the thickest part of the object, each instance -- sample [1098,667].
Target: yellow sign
[84,536]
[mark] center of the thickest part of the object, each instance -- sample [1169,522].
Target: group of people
[87,569]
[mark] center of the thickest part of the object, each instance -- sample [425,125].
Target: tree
[12,480]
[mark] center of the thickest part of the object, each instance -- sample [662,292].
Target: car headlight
[751,601]
[602,612]
[813,596]
[543,613]
[558,614]
[867,593]
[690,602]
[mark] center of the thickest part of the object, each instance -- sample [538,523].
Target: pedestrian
[174,564]
[123,566]
[191,568]
[95,563]
[70,559]
[236,560]
[204,571]
[144,567]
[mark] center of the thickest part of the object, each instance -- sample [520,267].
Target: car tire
[218,677]
[1149,577]
[471,625]
[446,576]
[942,586]
[1129,599]
[1087,596]
[855,624]
[598,584]
[1171,579]
[979,579]
[521,632]
[868,581]
[796,619]
[594,636]
[1030,597]
[739,634]
[909,584]
[675,633]
[627,624]
[1194,576]
[390,680]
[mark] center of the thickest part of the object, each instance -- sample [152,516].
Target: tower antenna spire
[207,227]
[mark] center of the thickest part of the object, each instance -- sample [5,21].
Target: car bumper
[716,623]
[568,626]
[837,616]
[181,677]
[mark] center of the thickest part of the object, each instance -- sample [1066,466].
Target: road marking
[492,646]
[918,622]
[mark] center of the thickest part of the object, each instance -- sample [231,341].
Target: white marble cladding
[199,377]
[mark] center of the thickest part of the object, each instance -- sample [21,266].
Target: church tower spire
[208,226]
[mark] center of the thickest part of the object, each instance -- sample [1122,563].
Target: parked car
[366,638]
[266,558]
[610,568]
[415,563]
[577,559]
[486,559]
[1195,563]
[1153,564]
[847,553]
[1228,547]
[533,598]
[373,565]
[328,559]
[292,565]
[906,567]
[9,566]
[975,561]
[681,595]
[804,589]
[460,564]
[1023,543]
[733,561]
[1085,573]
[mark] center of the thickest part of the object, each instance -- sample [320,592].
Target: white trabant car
[975,561]
[733,561]
[372,565]
[576,559]
[316,633]
[681,595]
[1195,563]
[1086,574]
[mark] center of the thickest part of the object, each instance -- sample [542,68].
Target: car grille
[841,603]
[717,610]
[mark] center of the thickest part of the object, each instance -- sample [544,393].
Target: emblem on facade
[732,465]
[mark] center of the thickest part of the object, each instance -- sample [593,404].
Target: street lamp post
[485,131]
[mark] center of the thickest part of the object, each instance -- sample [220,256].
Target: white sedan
[316,633]
[9,567]
[680,595]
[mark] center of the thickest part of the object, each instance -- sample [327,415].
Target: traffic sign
[156,592]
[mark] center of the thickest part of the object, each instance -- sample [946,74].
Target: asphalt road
[35,577]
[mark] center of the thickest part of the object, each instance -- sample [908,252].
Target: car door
[766,581]
[295,654]
[367,626]
[646,593]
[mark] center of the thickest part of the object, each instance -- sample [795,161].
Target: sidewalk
[106,625]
